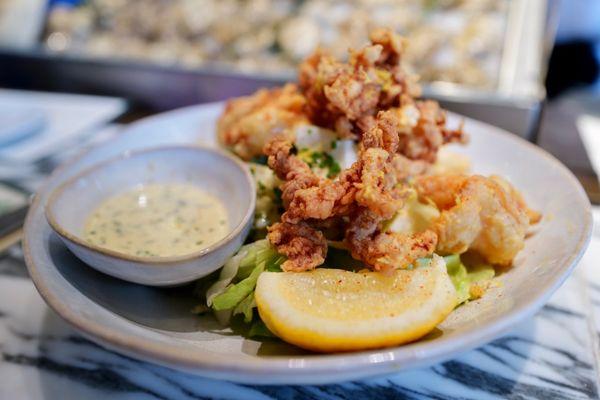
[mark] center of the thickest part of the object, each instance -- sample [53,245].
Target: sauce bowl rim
[54,223]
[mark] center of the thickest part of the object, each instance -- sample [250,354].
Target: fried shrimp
[249,122]
[304,246]
[534,216]
[486,215]
[385,251]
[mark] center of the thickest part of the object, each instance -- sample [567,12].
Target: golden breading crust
[379,189]
[385,251]
[304,246]
[370,182]
[368,193]
[486,215]
[248,123]
[371,99]
[347,96]
[417,131]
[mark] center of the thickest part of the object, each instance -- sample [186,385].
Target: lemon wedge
[331,310]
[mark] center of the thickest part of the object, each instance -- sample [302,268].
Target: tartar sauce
[158,220]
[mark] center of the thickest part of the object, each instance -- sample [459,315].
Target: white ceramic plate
[156,324]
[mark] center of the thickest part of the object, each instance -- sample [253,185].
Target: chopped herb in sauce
[158,220]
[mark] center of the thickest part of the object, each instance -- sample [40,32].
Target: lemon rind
[328,335]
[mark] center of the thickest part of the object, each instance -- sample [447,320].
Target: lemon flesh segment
[331,310]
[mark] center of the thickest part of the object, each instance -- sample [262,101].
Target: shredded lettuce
[469,280]
[466,280]
[236,293]
[261,251]
[246,307]
[233,292]
[228,272]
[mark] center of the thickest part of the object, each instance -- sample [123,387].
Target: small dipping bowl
[211,170]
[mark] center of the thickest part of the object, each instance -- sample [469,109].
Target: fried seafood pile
[371,100]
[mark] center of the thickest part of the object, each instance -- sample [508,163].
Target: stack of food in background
[456,41]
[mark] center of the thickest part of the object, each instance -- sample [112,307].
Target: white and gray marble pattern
[553,355]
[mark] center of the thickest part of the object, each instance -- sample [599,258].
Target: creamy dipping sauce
[158,220]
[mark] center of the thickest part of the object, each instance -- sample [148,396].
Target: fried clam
[486,215]
[416,131]
[374,181]
[306,195]
[385,250]
[369,193]
[247,123]
[371,99]
[347,96]
[304,246]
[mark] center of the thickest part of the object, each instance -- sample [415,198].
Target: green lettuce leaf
[241,265]
[259,329]
[463,278]
[235,293]
[246,308]
[259,252]
[227,274]
[268,199]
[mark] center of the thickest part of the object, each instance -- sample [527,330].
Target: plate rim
[288,369]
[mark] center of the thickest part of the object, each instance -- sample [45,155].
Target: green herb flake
[262,160]
[277,197]
[261,188]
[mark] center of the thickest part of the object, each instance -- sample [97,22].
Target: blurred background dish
[454,41]
[482,58]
